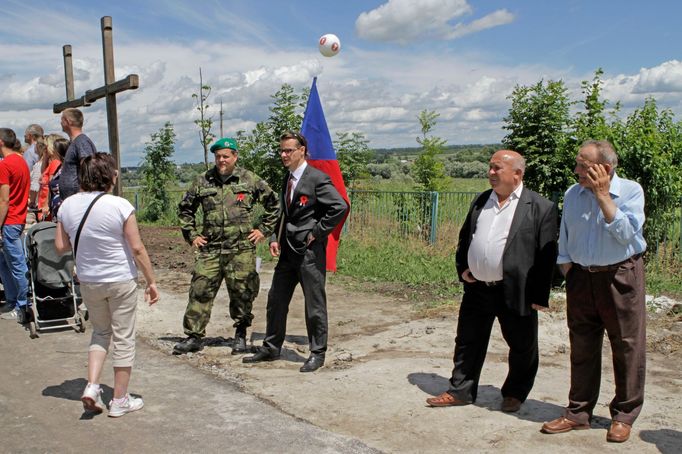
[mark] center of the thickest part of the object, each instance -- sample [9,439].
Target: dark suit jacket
[530,253]
[316,208]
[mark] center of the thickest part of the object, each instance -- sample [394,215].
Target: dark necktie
[290,188]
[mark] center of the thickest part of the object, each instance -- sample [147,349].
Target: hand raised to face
[599,178]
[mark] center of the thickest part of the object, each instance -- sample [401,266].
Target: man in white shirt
[505,259]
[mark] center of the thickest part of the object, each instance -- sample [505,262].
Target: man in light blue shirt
[31,136]
[600,253]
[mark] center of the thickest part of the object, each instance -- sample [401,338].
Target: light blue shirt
[586,238]
[30,156]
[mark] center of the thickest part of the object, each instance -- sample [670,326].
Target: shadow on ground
[73,389]
[286,354]
[490,398]
[668,441]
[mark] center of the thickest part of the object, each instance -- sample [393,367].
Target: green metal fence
[426,216]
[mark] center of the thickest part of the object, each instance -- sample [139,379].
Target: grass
[664,280]
[421,273]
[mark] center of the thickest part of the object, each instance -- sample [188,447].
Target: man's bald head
[505,172]
[517,161]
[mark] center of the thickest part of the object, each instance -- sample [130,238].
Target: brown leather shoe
[561,425]
[511,405]
[445,400]
[618,432]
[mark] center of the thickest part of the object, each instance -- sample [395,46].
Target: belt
[491,283]
[603,268]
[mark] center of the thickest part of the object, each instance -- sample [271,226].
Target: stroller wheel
[81,327]
[33,333]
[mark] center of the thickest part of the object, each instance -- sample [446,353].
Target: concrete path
[185,410]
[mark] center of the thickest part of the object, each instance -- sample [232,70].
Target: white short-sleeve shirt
[103,252]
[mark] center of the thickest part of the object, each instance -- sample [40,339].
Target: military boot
[191,344]
[239,343]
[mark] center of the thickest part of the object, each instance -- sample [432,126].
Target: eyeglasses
[288,150]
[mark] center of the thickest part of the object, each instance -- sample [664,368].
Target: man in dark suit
[505,258]
[311,208]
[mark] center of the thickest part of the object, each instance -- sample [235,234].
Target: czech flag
[323,157]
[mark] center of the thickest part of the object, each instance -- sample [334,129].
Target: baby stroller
[54,298]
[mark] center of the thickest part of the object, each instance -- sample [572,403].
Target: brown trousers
[611,300]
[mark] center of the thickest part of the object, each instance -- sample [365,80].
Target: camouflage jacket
[228,210]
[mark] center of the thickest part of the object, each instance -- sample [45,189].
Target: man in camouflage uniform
[226,245]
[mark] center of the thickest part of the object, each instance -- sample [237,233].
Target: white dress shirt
[490,237]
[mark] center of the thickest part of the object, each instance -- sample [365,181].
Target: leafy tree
[538,123]
[382,170]
[157,170]
[353,155]
[592,123]
[480,154]
[649,146]
[259,150]
[204,122]
[186,173]
[463,169]
[427,170]
[648,143]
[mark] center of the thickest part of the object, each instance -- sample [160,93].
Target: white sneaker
[92,399]
[11,315]
[129,404]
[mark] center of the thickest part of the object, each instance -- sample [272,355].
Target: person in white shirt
[505,258]
[102,231]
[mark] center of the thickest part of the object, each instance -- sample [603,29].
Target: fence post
[434,217]
[344,229]
[137,208]
[680,244]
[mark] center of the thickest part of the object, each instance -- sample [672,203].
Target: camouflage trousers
[242,282]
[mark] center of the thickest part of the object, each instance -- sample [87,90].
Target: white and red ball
[330,45]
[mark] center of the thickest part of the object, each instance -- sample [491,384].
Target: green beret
[225,142]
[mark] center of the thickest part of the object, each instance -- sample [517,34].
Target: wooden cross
[108,91]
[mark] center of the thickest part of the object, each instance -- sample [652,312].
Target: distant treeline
[461,161]
[464,150]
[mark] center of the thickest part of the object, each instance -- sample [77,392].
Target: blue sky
[461,58]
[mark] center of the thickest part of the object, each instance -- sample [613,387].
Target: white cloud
[495,19]
[378,93]
[662,82]
[664,78]
[403,21]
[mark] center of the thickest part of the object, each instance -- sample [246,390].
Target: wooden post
[109,79]
[221,119]
[108,90]
[68,72]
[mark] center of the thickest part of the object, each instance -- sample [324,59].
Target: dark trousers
[613,301]
[308,270]
[480,306]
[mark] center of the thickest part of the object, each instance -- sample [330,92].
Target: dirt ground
[386,357]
